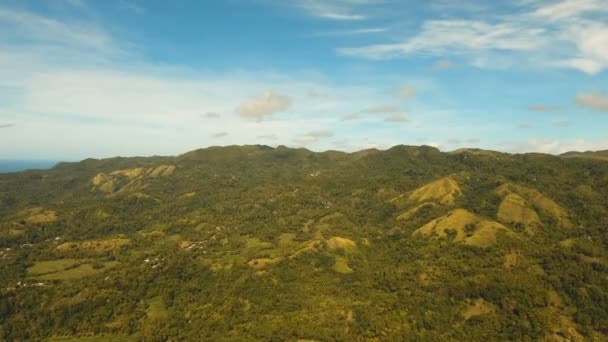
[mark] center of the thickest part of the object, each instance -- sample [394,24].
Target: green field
[66,269]
[52,266]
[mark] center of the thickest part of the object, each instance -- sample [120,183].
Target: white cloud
[566,9]
[352,116]
[382,109]
[268,137]
[594,101]
[313,137]
[396,118]
[406,93]
[33,28]
[556,146]
[443,64]
[542,108]
[265,104]
[339,10]
[353,32]
[439,37]
[211,115]
[220,135]
[540,34]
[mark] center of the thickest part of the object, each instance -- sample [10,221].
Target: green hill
[245,243]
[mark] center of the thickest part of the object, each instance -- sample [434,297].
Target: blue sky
[85,78]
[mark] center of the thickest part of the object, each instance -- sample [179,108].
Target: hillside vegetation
[246,243]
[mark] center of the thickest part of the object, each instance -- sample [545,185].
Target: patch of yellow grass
[341,266]
[259,264]
[311,246]
[100,178]
[511,260]
[102,214]
[442,191]
[515,209]
[561,327]
[286,240]
[188,195]
[340,242]
[478,307]
[408,214]
[537,200]
[554,299]
[40,215]
[161,171]
[481,232]
[129,173]
[109,183]
[98,246]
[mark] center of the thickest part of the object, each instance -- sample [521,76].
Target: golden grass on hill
[481,232]
[129,173]
[340,242]
[537,200]
[408,214]
[478,307]
[259,264]
[40,215]
[163,170]
[341,266]
[109,183]
[98,246]
[515,209]
[442,191]
[187,195]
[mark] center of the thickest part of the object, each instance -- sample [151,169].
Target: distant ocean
[20,165]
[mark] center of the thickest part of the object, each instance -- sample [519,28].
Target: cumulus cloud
[314,136]
[396,118]
[443,64]
[211,115]
[595,101]
[320,134]
[382,109]
[406,93]
[542,108]
[268,136]
[563,123]
[264,105]
[352,116]
[393,114]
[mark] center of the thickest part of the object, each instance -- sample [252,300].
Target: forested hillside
[247,243]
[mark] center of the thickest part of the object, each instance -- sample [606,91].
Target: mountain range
[258,243]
